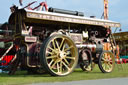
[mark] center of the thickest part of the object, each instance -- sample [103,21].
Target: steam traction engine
[55,41]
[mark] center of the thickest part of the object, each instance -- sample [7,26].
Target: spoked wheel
[59,55]
[106,62]
[85,60]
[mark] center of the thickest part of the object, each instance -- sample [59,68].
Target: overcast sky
[118,9]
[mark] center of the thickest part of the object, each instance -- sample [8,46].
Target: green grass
[21,77]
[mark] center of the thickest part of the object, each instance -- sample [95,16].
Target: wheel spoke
[110,59]
[62,42]
[50,57]
[108,67]
[63,47]
[68,48]
[53,64]
[61,67]
[72,58]
[50,63]
[58,68]
[103,59]
[52,49]
[104,66]
[66,61]
[65,65]
[53,43]
[49,52]
[109,63]
[67,53]
[57,45]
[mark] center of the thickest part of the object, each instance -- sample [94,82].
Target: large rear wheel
[106,62]
[59,55]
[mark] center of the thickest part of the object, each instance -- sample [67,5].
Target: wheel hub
[62,55]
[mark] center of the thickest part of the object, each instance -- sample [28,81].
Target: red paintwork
[7,59]
[43,4]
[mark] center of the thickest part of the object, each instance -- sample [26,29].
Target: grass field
[21,77]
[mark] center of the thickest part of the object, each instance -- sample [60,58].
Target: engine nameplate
[30,39]
[77,38]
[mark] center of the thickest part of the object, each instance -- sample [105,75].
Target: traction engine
[56,41]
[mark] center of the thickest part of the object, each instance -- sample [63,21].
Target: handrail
[41,5]
[30,4]
[6,52]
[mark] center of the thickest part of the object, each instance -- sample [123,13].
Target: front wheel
[59,55]
[106,62]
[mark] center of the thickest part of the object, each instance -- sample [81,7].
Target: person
[0,70]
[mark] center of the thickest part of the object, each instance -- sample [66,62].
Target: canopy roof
[49,16]
[121,36]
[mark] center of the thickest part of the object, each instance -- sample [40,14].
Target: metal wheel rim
[89,68]
[61,55]
[107,61]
